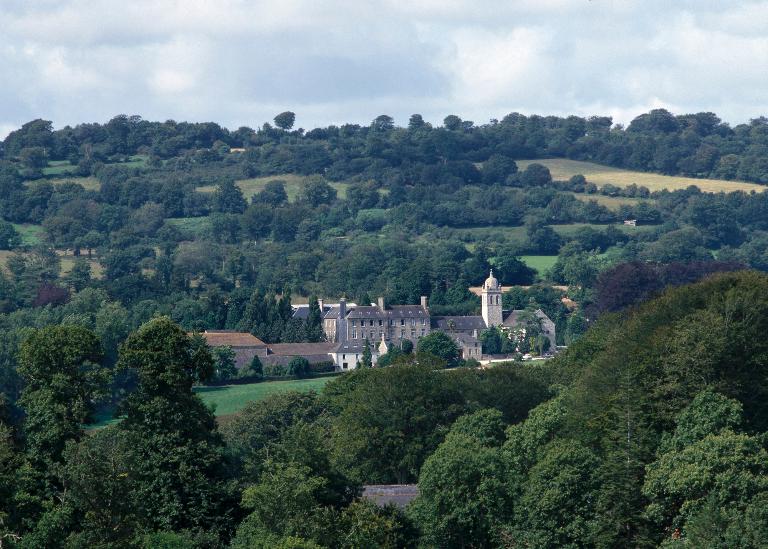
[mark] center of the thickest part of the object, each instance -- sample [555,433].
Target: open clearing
[540,263]
[613,203]
[563,169]
[519,234]
[293,184]
[30,234]
[229,399]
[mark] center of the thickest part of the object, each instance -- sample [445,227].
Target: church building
[381,326]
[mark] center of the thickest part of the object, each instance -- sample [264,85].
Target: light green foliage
[705,467]
[729,468]
[283,502]
[556,507]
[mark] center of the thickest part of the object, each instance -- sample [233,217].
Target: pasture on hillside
[519,235]
[540,263]
[563,169]
[229,399]
[292,183]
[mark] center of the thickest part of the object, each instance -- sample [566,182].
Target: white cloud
[239,62]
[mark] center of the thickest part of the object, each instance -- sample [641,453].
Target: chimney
[381,302]
[320,305]
[423,302]
[341,322]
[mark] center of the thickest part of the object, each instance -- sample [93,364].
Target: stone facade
[491,301]
[349,326]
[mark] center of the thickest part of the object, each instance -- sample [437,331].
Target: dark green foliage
[9,237]
[63,377]
[440,345]
[463,498]
[179,454]
[285,120]
[298,367]
[378,441]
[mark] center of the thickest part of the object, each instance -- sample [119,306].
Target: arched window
[497,299]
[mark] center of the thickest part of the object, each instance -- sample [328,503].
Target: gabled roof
[302,311]
[395,311]
[356,346]
[513,318]
[231,338]
[395,494]
[458,323]
[301,349]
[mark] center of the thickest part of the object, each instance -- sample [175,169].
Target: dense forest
[118,240]
[649,431]
[188,219]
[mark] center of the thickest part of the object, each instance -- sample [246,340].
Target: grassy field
[519,233]
[30,234]
[229,399]
[541,263]
[89,183]
[293,185]
[611,202]
[59,167]
[195,226]
[563,169]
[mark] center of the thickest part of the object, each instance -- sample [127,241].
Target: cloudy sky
[239,62]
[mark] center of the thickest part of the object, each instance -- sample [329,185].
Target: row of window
[381,334]
[390,322]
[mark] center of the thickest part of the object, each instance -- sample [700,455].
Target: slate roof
[302,311]
[397,494]
[284,360]
[513,318]
[232,338]
[355,346]
[468,340]
[301,349]
[395,311]
[460,323]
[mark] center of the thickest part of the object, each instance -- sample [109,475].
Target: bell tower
[491,298]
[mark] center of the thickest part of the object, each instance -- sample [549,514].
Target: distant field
[30,234]
[59,167]
[67,262]
[195,226]
[563,169]
[611,202]
[293,185]
[232,398]
[541,263]
[519,233]
[88,183]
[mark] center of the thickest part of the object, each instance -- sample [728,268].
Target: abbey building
[349,326]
